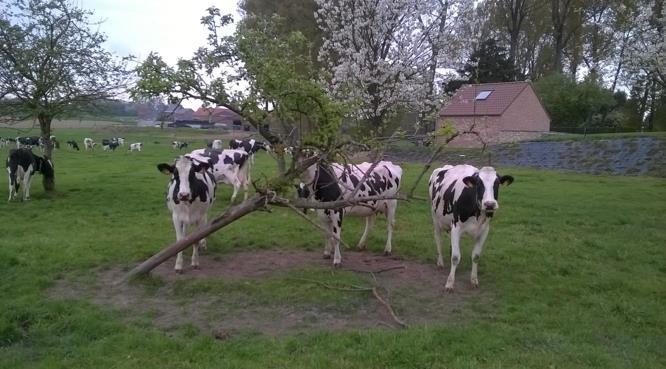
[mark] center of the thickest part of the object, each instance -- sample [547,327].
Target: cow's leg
[456,233]
[11,185]
[325,221]
[369,222]
[391,206]
[26,185]
[236,185]
[476,253]
[180,234]
[203,244]
[438,243]
[337,231]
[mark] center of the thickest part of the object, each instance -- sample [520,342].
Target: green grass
[575,264]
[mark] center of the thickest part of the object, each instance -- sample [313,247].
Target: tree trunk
[45,128]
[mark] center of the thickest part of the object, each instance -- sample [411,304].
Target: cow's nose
[183,195]
[490,205]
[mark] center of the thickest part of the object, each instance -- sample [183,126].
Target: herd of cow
[463,198]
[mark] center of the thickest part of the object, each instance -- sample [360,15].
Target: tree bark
[45,128]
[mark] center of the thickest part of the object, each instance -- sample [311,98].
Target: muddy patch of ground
[282,292]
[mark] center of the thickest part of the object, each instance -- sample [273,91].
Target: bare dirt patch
[271,292]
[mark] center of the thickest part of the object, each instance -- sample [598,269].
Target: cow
[110,145]
[56,144]
[88,143]
[250,146]
[73,145]
[3,142]
[190,194]
[119,140]
[228,166]
[336,181]
[135,146]
[463,200]
[27,142]
[177,145]
[216,144]
[21,165]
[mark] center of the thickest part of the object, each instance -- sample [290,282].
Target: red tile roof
[464,102]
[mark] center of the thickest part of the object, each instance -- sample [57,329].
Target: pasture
[573,275]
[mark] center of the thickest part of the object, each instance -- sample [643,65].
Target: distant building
[221,117]
[500,112]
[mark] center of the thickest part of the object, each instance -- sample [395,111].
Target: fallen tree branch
[375,271]
[231,214]
[352,288]
[389,308]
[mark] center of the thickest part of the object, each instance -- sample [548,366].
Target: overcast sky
[172,28]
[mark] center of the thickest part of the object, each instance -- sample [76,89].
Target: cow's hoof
[337,265]
[195,267]
[388,253]
[440,266]
[448,289]
[360,248]
[327,256]
[475,283]
[179,271]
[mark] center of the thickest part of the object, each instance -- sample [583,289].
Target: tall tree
[53,63]
[298,16]
[489,63]
[375,56]
[565,21]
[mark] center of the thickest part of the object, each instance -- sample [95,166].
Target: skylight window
[483,95]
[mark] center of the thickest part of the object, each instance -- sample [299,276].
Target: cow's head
[486,182]
[45,166]
[183,170]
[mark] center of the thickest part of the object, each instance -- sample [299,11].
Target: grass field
[574,273]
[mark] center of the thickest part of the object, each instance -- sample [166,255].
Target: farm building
[500,112]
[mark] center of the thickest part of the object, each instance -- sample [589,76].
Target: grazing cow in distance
[73,145]
[135,146]
[3,142]
[336,181]
[21,165]
[88,143]
[190,194]
[119,140]
[178,145]
[229,167]
[110,145]
[464,200]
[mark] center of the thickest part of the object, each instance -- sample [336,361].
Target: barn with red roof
[500,112]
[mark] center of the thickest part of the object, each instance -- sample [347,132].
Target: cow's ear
[507,179]
[470,181]
[165,168]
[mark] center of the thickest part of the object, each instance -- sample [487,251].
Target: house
[220,116]
[500,112]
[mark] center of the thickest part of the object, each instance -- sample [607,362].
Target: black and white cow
[190,194]
[73,145]
[135,146]
[177,145]
[21,165]
[228,166]
[464,200]
[88,143]
[335,182]
[109,145]
[250,146]
[27,142]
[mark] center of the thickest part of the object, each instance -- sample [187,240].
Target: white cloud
[171,28]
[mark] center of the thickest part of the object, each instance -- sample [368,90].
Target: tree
[258,73]
[52,63]
[376,57]
[489,63]
[297,15]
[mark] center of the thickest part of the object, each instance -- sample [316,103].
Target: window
[483,95]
